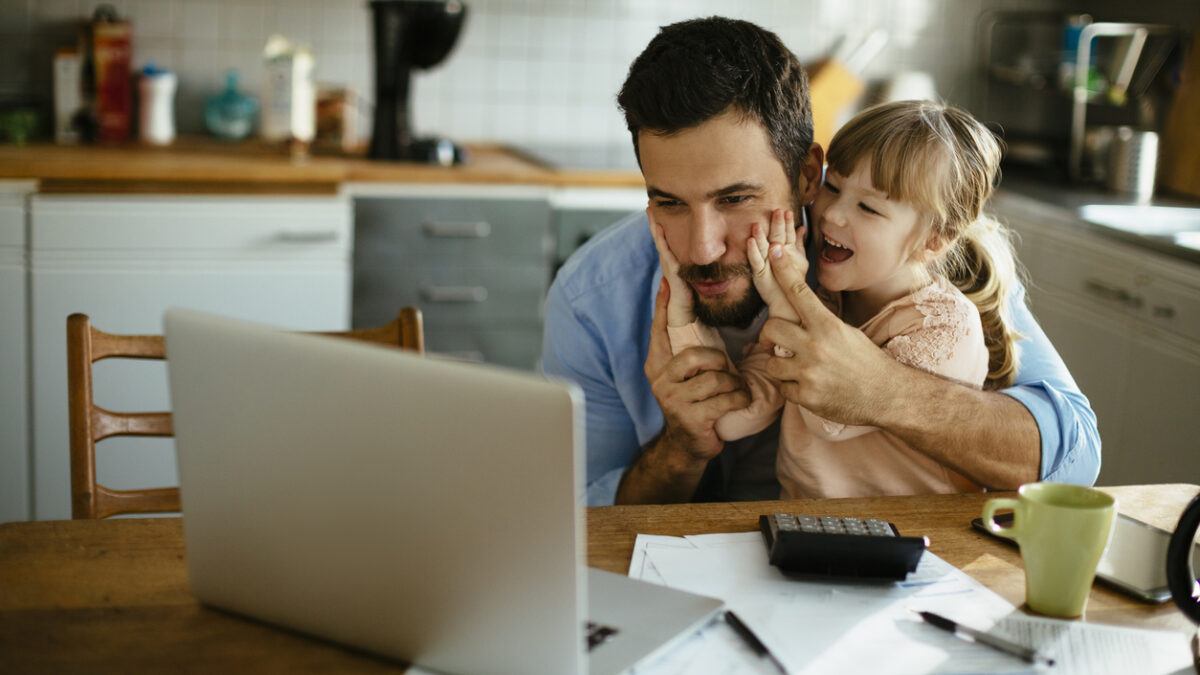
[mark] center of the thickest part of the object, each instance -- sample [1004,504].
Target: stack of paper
[844,626]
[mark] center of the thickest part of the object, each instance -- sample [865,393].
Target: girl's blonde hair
[946,163]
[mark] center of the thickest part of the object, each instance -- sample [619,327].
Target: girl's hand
[679,305]
[783,232]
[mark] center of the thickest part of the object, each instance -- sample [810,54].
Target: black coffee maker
[410,34]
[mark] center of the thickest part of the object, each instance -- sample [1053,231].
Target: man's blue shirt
[597,334]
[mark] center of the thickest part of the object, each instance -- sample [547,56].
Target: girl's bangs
[904,157]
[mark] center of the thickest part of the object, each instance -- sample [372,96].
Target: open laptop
[422,509]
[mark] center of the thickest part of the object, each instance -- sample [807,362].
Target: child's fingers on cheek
[789,229]
[754,255]
[777,227]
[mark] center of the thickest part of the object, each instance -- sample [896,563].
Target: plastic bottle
[157,115]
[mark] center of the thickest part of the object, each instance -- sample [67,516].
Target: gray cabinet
[478,267]
[581,213]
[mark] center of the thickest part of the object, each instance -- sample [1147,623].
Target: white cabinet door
[14,380]
[1163,413]
[1097,350]
[123,261]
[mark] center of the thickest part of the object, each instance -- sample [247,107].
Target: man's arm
[573,350]
[840,374]
[694,389]
[665,473]
[986,436]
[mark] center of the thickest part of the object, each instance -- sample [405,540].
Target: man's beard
[739,313]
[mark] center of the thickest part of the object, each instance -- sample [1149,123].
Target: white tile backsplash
[524,70]
[195,21]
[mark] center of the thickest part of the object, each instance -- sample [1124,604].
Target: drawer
[1078,268]
[451,296]
[577,226]
[464,232]
[1172,306]
[252,225]
[513,347]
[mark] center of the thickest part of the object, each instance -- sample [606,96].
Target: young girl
[903,253]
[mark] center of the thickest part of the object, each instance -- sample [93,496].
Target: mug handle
[989,513]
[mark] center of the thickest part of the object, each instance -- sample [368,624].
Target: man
[721,123]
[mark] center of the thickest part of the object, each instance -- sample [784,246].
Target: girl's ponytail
[983,267]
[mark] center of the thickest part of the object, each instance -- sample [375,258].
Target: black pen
[752,640]
[967,633]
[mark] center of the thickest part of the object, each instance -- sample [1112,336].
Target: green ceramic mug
[1063,531]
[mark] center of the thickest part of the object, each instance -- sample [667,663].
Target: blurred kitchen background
[220,154]
[524,71]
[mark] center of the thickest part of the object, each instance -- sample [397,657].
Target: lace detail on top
[945,325]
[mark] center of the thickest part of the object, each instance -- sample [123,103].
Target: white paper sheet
[843,626]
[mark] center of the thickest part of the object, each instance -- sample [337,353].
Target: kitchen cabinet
[1162,440]
[124,259]
[475,260]
[1098,351]
[581,213]
[14,356]
[1126,321]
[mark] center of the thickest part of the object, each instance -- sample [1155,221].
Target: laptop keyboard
[598,634]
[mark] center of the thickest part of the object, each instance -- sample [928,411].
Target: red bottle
[112,57]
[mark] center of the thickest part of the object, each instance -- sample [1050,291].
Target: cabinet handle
[1112,293]
[307,236]
[1163,312]
[477,230]
[454,293]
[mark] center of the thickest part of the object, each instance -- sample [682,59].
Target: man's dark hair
[695,70]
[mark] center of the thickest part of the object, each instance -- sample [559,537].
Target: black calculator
[842,547]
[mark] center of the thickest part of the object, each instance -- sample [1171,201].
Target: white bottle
[157,114]
[67,95]
[290,97]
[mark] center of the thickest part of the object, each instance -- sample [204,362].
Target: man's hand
[836,371]
[694,389]
[783,232]
[679,305]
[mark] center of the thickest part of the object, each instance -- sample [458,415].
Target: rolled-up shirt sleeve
[573,349]
[1069,435]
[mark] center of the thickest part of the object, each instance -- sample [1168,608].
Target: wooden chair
[91,423]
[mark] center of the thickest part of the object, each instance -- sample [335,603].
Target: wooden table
[112,595]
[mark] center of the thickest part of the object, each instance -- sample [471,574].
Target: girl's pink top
[936,329]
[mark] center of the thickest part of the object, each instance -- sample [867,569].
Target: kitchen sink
[1144,219]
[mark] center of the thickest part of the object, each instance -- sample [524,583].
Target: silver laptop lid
[324,489]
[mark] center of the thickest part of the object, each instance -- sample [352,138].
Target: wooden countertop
[198,165]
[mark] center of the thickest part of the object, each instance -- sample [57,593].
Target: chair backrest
[91,423]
